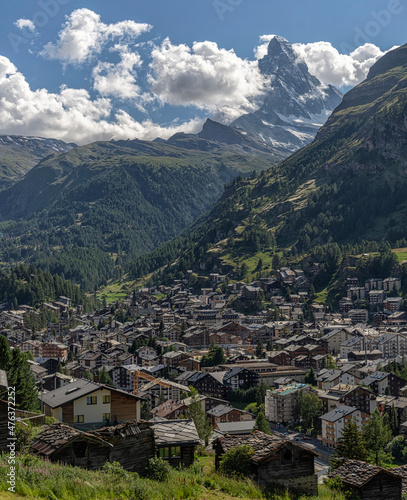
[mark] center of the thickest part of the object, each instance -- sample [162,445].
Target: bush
[236,461]
[158,469]
[116,469]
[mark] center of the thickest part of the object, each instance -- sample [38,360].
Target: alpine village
[217,315]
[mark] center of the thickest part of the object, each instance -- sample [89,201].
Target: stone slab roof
[176,432]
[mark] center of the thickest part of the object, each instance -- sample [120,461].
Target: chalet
[383,383]
[279,357]
[162,390]
[240,378]
[176,441]
[275,460]
[369,482]
[86,404]
[328,378]
[171,410]
[209,384]
[227,413]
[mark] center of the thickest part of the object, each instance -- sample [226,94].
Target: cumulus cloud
[25,24]
[326,63]
[342,70]
[118,80]
[85,35]
[71,114]
[207,77]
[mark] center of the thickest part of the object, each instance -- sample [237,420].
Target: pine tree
[20,376]
[310,377]
[104,377]
[87,374]
[259,349]
[261,423]
[377,434]
[394,421]
[5,353]
[269,345]
[350,445]
[198,415]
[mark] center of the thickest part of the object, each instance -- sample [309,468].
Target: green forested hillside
[88,212]
[348,186]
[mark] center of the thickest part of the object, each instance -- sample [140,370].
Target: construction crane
[138,374]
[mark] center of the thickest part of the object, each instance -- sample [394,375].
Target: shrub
[158,469]
[115,468]
[236,461]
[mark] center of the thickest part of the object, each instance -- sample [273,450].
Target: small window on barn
[286,456]
[79,449]
[164,453]
[175,452]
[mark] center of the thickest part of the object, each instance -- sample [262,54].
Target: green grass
[38,479]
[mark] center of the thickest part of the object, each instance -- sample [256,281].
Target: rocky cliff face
[297,104]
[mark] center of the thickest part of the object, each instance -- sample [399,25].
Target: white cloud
[261,50]
[207,77]
[118,80]
[70,115]
[342,70]
[84,35]
[326,63]
[25,24]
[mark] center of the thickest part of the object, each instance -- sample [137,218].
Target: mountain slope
[18,154]
[296,105]
[348,185]
[95,207]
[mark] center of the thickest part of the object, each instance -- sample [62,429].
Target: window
[91,400]
[106,417]
[170,452]
[106,399]
[78,419]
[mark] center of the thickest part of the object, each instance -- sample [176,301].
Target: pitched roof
[358,473]
[175,432]
[57,436]
[245,426]
[76,390]
[263,444]
[338,413]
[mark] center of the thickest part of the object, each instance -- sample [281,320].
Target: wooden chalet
[369,482]
[275,460]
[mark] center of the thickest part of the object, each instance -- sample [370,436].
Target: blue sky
[92,70]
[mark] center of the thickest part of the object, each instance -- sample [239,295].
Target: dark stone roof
[263,444]
[357,473]
[57,436]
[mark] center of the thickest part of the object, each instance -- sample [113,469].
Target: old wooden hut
[131,444]
[369,482]
[176,441]
[275,460]
[62,443]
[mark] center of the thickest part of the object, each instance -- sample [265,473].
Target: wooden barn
[61,443]
[369,482]
[131,444]
[275,460]
[176,441]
